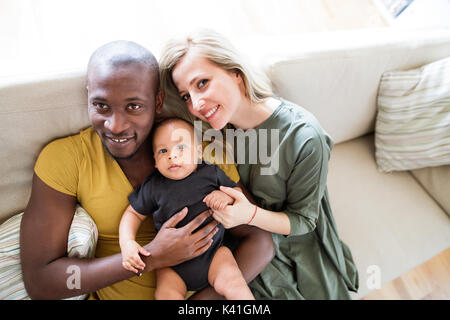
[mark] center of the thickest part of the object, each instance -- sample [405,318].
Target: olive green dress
[311,262]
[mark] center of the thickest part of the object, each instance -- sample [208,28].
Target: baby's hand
[218,200]
[130,256]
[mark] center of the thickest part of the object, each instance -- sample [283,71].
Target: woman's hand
[239,213]
[244,212]
[172,246]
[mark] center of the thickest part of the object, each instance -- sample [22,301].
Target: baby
[179,182]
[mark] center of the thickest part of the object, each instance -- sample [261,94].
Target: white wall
[46,36]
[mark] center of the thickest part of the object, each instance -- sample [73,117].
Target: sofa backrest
[32,114]
[334,75]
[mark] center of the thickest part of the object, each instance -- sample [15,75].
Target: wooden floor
[429,281]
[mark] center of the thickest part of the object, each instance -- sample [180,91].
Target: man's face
[122,104]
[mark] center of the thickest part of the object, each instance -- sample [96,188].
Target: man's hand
[172,246]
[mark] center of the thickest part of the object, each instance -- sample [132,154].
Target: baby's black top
[163,197]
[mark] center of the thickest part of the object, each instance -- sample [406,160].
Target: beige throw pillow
[412,127]
[82,242]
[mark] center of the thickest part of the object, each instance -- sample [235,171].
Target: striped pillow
[412,127]
[81,243]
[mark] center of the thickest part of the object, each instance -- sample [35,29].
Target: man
[98,168]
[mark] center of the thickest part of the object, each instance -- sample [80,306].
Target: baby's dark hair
[164,121]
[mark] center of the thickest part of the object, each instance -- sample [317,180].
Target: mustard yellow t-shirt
[79,166]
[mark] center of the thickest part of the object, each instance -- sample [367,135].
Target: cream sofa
[391,221]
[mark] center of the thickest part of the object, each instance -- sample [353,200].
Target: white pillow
[82,241]
[412,127]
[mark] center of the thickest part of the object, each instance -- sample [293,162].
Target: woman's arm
[243,212]
[43,247]
[272,221]
[305,188]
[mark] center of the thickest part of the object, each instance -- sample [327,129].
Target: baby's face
[175,153]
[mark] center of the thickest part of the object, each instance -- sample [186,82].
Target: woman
[292,201]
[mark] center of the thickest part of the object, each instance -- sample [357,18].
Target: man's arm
[43,249]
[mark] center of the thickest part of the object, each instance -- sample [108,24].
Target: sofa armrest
[436,181]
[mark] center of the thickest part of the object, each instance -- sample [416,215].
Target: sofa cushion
[436,181]
[413,122]
[387,220]
[82,242]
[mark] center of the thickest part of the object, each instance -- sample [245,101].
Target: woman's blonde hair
[219,50]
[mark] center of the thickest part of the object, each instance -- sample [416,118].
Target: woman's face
[211,93]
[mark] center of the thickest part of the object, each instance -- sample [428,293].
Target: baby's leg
[169,285]
[226,277]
